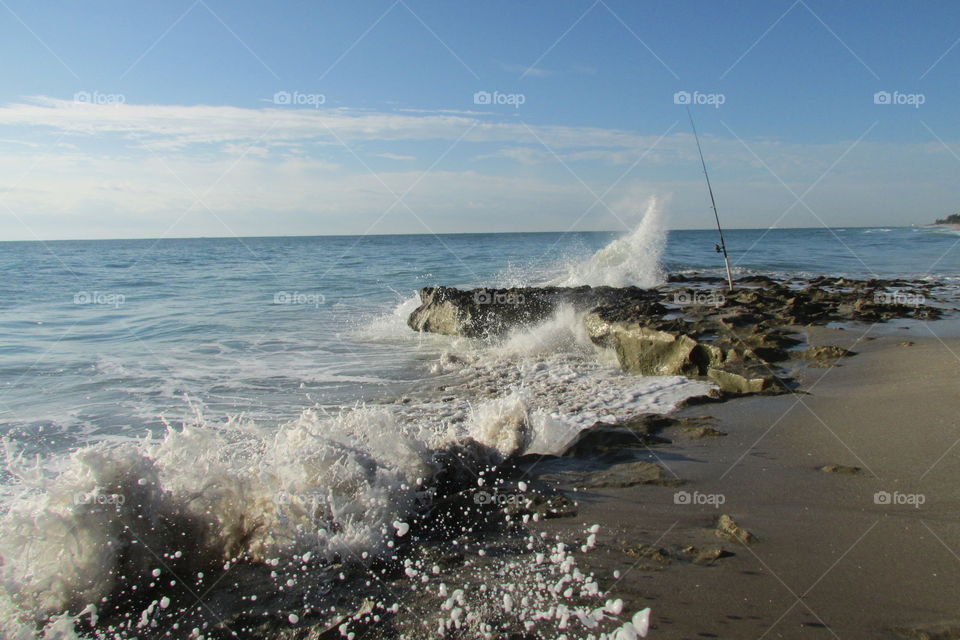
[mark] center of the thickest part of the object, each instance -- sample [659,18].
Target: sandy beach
[834,556]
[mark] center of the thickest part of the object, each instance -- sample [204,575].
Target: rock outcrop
[690,326]
[728,528]
[658,350]
[484,313]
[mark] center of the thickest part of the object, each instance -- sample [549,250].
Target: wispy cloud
[179,126]
[523,70]
[393,156]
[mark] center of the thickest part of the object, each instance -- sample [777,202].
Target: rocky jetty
[488,313]
[691,326]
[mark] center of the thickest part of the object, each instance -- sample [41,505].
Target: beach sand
[829,560]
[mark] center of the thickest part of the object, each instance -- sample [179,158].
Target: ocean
[239,380]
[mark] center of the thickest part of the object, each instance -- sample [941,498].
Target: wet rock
[824,356]
[708,556]
[647,351]
[629,474]
[611,440]
[697,433]
[656,558]
[625,474]
[727,528]
[827,351]
[480,313]
[649,553]
[650,424]
[543,505]
[621,439]
[735,383]
[840,468]
[691,326]
[644,350]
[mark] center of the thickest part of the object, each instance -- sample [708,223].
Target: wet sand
[831,559]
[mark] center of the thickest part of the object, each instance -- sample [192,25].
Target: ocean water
[226,379]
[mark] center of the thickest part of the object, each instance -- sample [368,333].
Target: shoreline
[619,520]
[831,559]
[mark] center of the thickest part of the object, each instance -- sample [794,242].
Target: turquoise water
[105,337]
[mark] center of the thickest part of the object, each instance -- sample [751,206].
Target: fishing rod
[722,247]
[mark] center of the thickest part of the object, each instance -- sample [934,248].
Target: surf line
[722,247]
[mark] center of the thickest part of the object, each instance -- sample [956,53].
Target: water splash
[632,259]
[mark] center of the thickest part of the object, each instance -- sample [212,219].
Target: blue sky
[213,118]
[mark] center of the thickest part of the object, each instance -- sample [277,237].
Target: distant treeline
[951,219]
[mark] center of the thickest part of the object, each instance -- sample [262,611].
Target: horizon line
[454,233]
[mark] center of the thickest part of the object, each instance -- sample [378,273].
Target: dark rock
[480,313]
[697,329]
[604,439]
[626,474]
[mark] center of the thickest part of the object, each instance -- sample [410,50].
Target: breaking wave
[116,539]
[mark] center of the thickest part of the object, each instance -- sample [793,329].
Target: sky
[189,118]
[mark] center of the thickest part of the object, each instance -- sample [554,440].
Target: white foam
[321,484]
[563,332]
[391,325]
[630,260]
[328,485]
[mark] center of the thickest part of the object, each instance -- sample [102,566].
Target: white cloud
[88,170]
[178,126]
